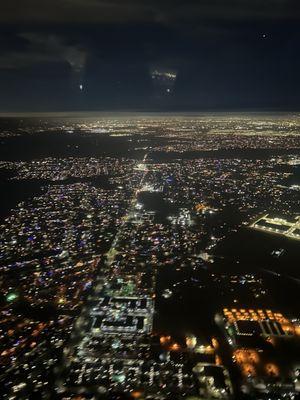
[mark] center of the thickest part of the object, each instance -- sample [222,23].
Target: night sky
[58,55]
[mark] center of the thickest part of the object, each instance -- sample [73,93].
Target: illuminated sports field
[280,226]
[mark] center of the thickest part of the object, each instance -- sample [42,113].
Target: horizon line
[82,113]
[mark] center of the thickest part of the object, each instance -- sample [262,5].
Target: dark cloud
[234,53]
[116,11]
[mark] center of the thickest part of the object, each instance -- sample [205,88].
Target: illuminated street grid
[250,185]
[120,318]
[217,132]
[54,169]
[51,250]
[83,258]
